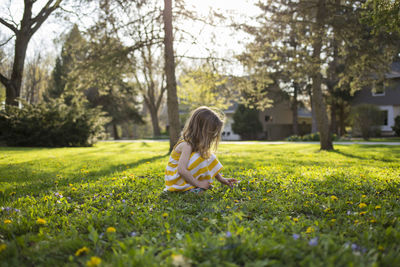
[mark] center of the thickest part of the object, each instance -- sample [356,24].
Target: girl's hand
[203,184]
[229,181]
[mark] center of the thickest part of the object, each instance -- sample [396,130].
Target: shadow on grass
[31,180]
[349,155]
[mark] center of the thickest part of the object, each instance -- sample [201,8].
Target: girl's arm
[229,182]
[184,172]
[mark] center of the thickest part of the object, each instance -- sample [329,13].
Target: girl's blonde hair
[203,129]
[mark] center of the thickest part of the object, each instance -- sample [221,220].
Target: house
[385,96]
[276,121]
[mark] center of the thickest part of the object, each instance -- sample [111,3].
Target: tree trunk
[314,127]
[115,131]
[154,121]
[172,98]
[294,110]
[318,99]
[13,89]
[333,128]
[342,119]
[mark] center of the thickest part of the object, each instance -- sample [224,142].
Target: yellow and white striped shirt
[200,168]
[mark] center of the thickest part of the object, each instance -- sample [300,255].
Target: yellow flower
[2,247]
[7,221]
[132,213]
[264,199]
[236,201]
[73,189]
[93,262]
[363,213]
[310,230]
[295,219]
[228,207]
[334,198]
[377,207]
[381,248]
[113,179]
[269,190]
[165,215]
[362,205]
[333,220]
[349,202]
[356,221]
[168,231]
[41,221]
[81,251]
[249,198]
[363,196]
[205,219]
[328,210]
[372,221]
[111,230]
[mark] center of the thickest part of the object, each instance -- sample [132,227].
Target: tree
[172,98]
[36,78]
[23,33]
[246,123]
[203,87]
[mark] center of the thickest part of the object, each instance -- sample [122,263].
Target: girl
[191,166]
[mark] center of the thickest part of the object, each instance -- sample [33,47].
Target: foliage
[246,122]
[295,205]
[365,120]
[51,124]
[204,87]
[309,137]
[396,127]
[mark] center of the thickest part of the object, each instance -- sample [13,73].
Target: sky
[227,42]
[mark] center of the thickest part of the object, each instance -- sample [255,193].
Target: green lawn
[293,206]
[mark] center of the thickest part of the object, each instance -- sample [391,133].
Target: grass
[294,205]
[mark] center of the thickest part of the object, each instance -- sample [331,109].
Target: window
[384,118]
[267,118]
[378,90]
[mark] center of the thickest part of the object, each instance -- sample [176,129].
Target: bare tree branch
[9,39]
[9,25]
[44,14]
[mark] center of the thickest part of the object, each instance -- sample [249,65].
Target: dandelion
[269,190]
[132,213]
[113,179]
[295,219]
[362,205]
[111,230]
[295,236]
[83,250]
[309,230]
[349,202]
[93,262]
[2,247]
[372,221]
[333,220]
[73,189]
[168,231]
[41,221]
[377,207]
[356,221]
[165,215]
[313,242]
[334,198]
[328,210]
[362,213]
[265,199]
[7,221]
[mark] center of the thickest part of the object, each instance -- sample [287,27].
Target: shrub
[309,137]
[366,119]
[51,124]
[396,127]
[246,123]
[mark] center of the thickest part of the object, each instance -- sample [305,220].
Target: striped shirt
[201,169]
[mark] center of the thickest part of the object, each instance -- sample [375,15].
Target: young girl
[191,166]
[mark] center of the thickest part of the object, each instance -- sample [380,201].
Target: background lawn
[294,205]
